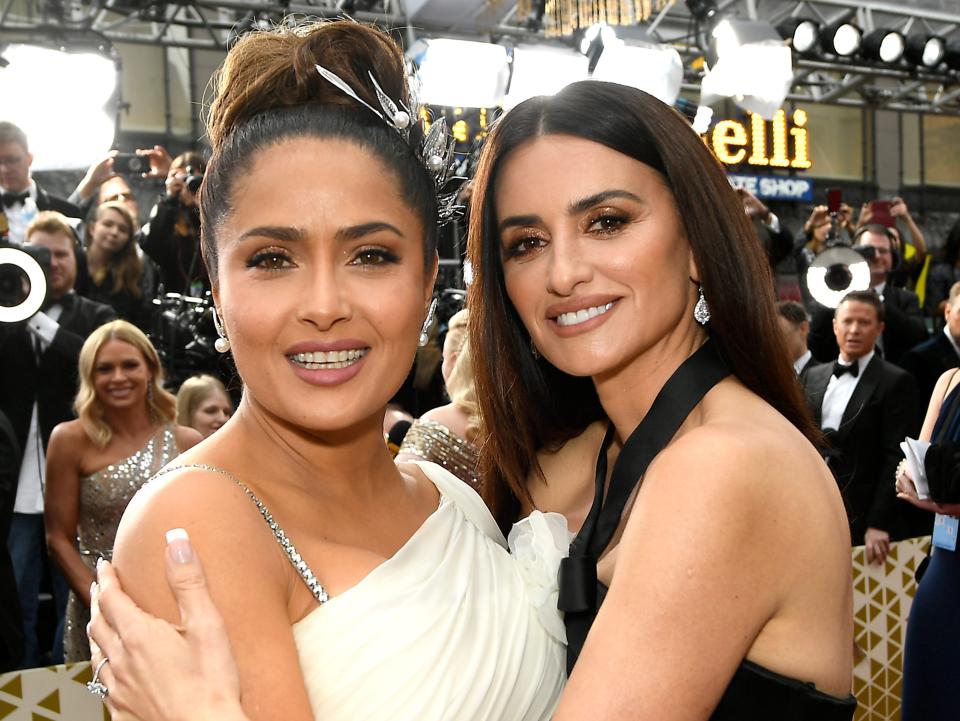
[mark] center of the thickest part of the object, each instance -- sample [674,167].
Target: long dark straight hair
[526,404]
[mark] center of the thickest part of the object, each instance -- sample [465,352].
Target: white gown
[452,627]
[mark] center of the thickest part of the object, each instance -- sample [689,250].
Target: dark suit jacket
[904,329]
[45,201]
[865,450]
[811,363]
[53,382]
[11,628]
[928,361]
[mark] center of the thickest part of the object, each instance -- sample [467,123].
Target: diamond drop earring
[701,311]
[425,330]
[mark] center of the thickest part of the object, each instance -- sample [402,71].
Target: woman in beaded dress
[123,435]
[444,435]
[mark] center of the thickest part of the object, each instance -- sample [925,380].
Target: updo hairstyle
[268,91]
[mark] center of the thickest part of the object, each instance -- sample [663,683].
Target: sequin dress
[103,499]
[436,443]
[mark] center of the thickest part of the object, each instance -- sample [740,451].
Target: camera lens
[14,285]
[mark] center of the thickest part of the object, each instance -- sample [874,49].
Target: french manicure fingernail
[99,563]
[178,546]
[93,588]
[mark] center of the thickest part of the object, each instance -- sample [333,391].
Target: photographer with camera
[824,228]
[172,236]
[38,382]
[912,254]
[904,324]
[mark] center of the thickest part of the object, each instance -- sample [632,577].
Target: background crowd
[869,368]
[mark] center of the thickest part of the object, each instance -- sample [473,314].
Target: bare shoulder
[223,524]
[186,437]
[70,434]
[947,382]
[450,416]
[752,467]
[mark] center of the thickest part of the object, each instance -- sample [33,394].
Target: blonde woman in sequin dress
[123,435]
[444,435]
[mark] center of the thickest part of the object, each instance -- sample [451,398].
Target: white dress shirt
[839,392]
[20,215]
[32,479]
[800,362]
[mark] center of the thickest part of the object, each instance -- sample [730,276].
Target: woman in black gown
[930,679]
[617,277]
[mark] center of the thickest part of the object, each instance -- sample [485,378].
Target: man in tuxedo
[38,382]
[932,358]
[11,625]
[866,407]
[20,197]
[796,327]
[904,326]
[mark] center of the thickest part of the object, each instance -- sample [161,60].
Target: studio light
[462,73]
[543,70]
[655,69]
[595,40]
[79,91]
[749,63]
[842,39]
[926,51]
[801,33]
[887,46]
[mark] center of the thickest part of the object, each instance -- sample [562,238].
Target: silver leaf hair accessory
[436,152]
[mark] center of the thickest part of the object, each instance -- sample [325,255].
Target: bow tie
[853,369]
[11,199]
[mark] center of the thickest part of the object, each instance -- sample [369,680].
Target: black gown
[754,693]
[931,675]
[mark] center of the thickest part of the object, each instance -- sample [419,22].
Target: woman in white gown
[350,588]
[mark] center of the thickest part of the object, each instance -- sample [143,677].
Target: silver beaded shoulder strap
[295,558]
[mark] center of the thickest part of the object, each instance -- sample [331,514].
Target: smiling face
[212,412]
[321,282]
[111,232]
[120,375]
[595,257]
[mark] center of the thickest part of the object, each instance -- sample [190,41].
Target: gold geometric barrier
[882,596]
[54,693]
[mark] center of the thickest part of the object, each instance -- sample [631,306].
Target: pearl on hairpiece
[401,119]
[435,163]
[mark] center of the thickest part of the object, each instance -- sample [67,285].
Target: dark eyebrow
[276,232]
[580,206]
[358,231]
[574,208]
[291,234]
[518,220]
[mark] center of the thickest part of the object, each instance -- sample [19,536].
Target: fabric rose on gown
[538,543]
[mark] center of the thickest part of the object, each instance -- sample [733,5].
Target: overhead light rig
[846,52]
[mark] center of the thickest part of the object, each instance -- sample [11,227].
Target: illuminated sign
[771,187]
[734,144]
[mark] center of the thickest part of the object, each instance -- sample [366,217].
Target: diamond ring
[96,686]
